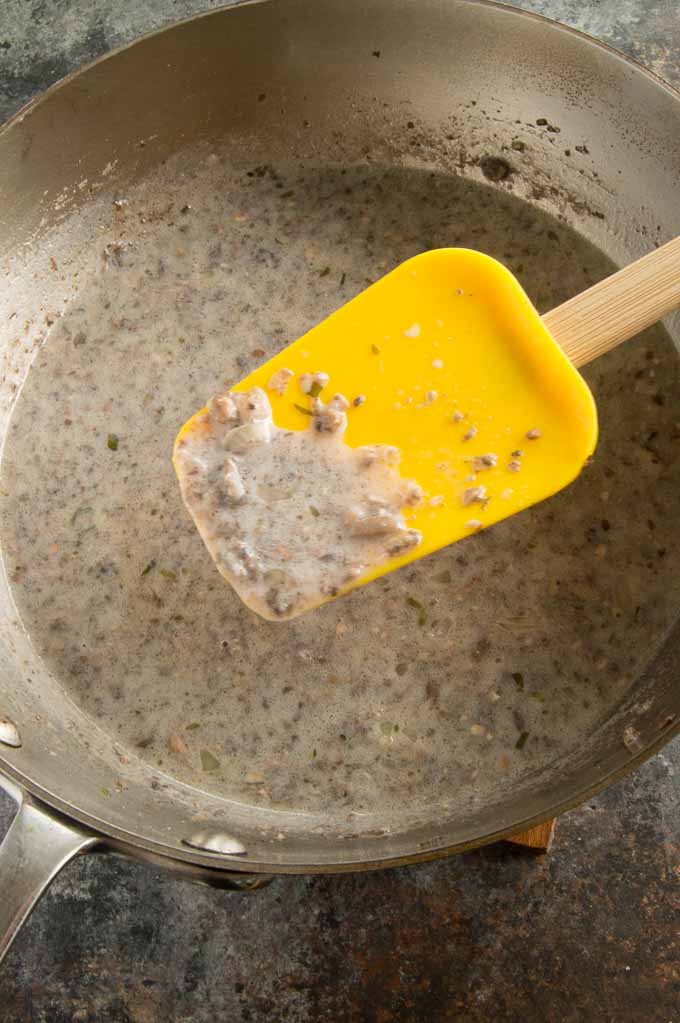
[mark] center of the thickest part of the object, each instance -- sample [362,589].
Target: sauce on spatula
[291,517]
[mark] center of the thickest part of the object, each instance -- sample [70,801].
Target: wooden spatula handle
[619,306]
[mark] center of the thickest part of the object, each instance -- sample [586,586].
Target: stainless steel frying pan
[336,98]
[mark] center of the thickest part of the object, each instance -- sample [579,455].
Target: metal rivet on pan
[9,733]
[215,842]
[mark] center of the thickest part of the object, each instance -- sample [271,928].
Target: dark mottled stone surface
[588,933]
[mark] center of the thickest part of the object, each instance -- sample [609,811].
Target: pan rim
[136,845]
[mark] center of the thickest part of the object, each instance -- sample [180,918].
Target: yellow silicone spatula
[460,372]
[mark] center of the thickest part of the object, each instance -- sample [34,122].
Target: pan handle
[36,847]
